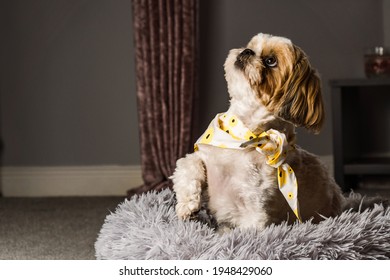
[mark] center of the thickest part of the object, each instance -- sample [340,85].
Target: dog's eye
[270,61]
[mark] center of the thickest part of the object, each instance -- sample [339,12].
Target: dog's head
[279,74]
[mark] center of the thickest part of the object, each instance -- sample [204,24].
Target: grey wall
[386,22]
[333,33]
[67,83]
[67,70]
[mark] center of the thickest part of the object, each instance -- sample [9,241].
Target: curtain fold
[166,53]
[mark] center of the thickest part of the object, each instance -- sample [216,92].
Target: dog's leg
[188,179]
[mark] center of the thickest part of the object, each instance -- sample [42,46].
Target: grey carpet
[52,228]
[55,228]
[146,227]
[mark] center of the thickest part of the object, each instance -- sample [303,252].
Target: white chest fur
[237,180]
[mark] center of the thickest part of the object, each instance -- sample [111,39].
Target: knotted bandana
[227,131]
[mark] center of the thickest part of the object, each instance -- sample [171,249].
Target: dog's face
[279,74]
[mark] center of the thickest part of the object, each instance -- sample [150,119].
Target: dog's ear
[301,99]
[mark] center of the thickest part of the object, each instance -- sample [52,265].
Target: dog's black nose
[243,58]
[247,52]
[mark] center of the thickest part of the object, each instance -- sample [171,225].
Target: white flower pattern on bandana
[227,131]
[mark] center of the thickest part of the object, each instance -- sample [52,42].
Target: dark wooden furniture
[361,130]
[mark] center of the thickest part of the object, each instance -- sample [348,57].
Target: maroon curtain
[166,43]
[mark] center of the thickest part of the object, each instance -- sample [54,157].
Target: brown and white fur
[271,85]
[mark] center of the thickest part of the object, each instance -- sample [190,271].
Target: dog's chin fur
[242,189]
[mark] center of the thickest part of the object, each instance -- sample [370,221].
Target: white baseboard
[69,181]
[78,180]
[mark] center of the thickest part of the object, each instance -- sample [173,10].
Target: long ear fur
[301,102]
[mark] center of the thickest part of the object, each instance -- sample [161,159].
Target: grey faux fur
[146,227]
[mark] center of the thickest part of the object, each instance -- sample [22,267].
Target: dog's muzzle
[243,57]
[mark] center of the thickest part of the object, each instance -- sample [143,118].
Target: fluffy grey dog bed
[146,227]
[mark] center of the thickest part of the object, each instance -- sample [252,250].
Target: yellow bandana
[227,131]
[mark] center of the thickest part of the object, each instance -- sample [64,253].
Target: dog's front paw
[185,209]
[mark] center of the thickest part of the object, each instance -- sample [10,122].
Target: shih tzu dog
[247,164]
